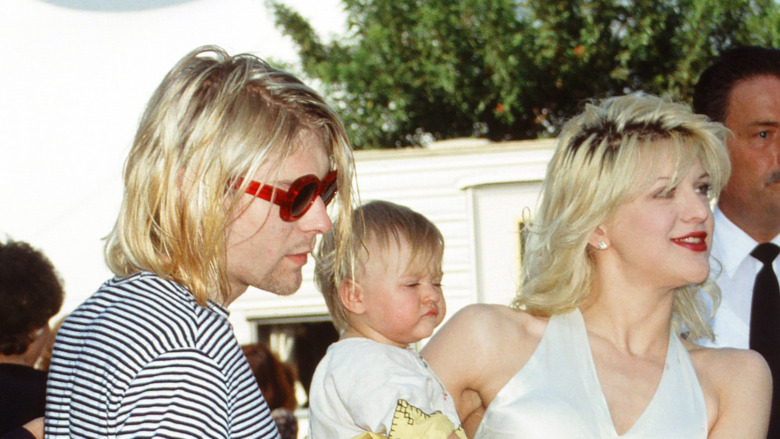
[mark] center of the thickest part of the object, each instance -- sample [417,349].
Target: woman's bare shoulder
[737,386]
[724,361]
[486,332]
[490,323]
[478,351]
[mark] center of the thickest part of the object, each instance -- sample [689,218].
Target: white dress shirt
[734,270]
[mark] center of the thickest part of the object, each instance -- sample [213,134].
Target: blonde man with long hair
[614,258]
[226,187]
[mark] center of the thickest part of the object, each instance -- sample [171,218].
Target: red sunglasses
[296,201]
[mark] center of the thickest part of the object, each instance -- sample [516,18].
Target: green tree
[407,70]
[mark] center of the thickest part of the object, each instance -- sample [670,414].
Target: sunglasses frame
[285,199]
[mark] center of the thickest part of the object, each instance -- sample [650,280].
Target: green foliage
[408,70]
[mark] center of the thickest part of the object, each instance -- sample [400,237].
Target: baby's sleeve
[370,386]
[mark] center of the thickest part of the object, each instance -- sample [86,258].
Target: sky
[75,78]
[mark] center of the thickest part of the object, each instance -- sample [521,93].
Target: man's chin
[287,291]
[285,285]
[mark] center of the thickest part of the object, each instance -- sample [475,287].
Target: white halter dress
[557,394]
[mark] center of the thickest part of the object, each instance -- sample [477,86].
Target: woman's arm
[742,384]
[478,351]
[456,353]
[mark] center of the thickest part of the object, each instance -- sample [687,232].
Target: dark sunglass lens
[329,192]
[302,201]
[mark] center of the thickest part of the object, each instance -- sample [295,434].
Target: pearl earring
[602,245]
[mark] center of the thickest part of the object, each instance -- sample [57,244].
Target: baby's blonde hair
[383,223]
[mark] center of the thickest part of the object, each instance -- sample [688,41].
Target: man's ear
[351,296]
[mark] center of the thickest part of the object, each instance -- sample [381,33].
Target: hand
[35,427]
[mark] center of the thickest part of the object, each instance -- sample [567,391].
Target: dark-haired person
[226,187]
[276,380]
[741,89]
[30,293]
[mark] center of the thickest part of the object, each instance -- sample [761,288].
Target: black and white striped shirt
[141,359]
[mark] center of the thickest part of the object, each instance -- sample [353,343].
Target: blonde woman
[615,259]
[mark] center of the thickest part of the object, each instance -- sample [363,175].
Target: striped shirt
[141,359]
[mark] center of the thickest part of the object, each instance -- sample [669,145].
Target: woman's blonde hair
[385,224]
[213,119]
[597,166]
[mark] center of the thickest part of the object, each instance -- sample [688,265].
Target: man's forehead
[755,87]
[754,102]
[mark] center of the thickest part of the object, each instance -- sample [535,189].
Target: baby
[371,383]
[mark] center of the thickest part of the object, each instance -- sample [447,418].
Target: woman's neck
[631,318]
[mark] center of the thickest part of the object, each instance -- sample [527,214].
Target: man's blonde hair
[383,223]
[213,119]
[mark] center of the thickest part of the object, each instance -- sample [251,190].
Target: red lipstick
[695,241]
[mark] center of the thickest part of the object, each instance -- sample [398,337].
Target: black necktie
[765,324]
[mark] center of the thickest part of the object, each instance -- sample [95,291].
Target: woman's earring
[602,245]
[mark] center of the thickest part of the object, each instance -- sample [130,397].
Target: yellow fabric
[369,435]
[409,422]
